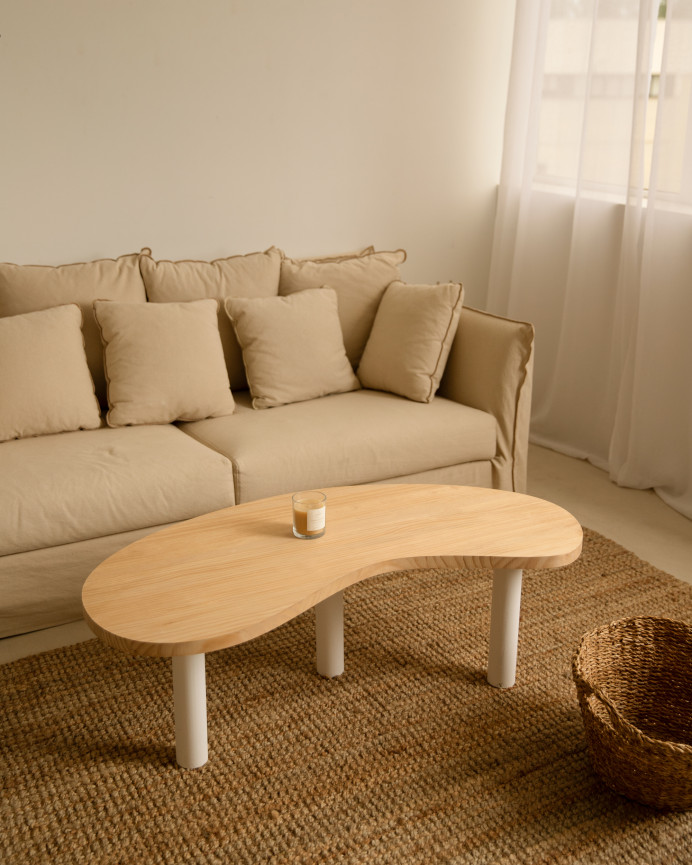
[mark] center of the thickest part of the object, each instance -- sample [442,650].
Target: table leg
[190,710]
[504,627]
[329,635]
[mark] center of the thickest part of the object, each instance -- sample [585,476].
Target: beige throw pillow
[164,362]
[411,339]
[292,347]
[359,282]
[45,384]
[252,275]
[30,287]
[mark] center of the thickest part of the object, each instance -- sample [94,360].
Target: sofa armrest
[490,367]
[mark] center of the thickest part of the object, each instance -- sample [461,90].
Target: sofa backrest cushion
[163,361]
[45,384]
[340,256]
[292,347]
[30,287]
[252,275]
[359,282]
[411,338]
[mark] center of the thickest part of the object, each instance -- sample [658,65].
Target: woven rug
[409,757]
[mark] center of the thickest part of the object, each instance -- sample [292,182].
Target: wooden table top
[231,575]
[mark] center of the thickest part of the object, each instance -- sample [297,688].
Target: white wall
[204,128]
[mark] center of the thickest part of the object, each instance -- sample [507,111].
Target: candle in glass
[309,514]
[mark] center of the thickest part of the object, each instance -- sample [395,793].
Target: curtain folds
[593,234]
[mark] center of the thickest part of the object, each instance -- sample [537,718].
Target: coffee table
[226,577]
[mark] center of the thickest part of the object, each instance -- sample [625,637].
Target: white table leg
[329,635]
[190,710]
[504,627]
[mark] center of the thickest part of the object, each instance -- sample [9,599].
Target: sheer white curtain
[593,235]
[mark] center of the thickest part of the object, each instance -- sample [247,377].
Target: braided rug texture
[409,757]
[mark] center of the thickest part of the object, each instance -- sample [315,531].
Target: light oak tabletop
[226,577]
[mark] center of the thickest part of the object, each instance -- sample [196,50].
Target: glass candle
[309,514]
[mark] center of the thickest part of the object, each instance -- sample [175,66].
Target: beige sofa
[137,393]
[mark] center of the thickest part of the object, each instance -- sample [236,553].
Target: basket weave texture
[634,685]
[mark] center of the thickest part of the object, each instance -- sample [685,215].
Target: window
[613,83]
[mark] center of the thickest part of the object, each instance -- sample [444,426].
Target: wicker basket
[634,684]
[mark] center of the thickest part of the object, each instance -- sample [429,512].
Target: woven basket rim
[586,688]
[616,624]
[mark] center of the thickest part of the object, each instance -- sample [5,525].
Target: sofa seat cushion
[74,486]
[363,436]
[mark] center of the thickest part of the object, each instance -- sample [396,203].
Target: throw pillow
[411,339]
[45,384]
[359,282]
[252,275]
[30,287]
[164,362]
[293,348]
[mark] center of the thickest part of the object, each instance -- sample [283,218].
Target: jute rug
[409,757]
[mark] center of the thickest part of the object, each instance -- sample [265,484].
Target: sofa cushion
[45,385]
[410,339]
[163,361]
[293,348]
[352,438]
[337,256]
[74,486]
[359,282]
[252,275]
[27,288]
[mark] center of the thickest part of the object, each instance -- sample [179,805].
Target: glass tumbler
[309,514]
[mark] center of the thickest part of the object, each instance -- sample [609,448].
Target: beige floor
[637,519]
